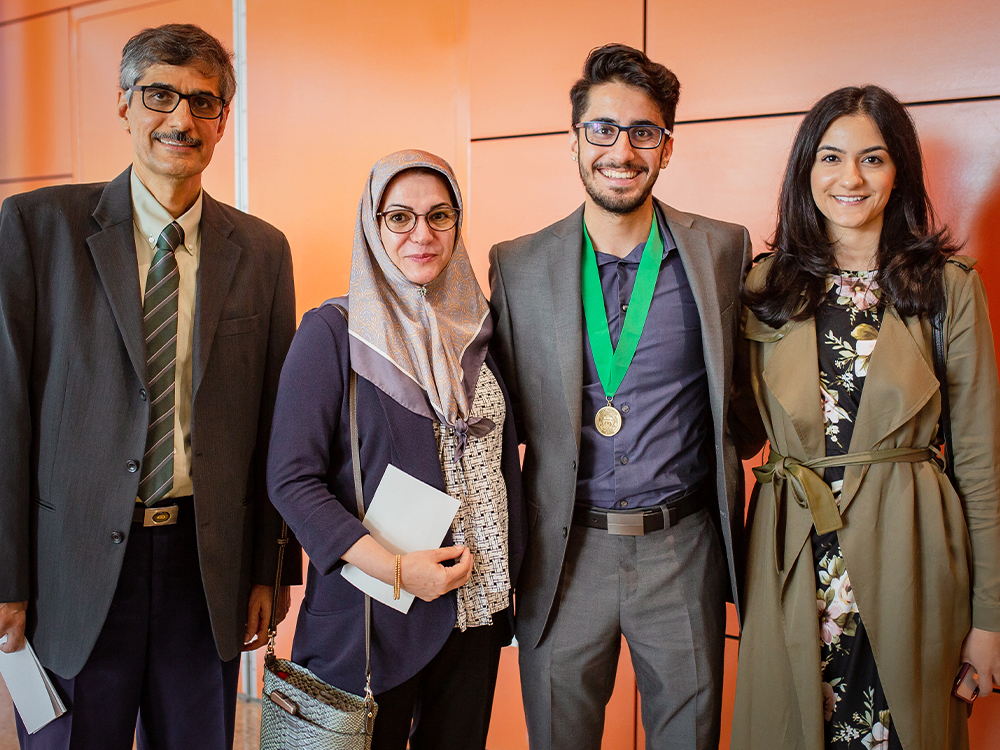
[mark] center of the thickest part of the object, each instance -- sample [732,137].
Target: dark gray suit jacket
[538,347]
[73,416]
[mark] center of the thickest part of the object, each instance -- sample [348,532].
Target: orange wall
[332,86]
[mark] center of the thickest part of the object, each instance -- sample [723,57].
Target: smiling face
[171,147]
[422,253]
[619,178]
[852,179]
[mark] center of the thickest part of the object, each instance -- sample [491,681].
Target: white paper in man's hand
[405,515]
[34,695]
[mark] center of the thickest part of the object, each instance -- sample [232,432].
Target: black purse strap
[940,371]
[283,542]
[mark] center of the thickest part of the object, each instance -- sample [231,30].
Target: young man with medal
[616,330]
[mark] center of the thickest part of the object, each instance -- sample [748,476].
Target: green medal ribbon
[612,364]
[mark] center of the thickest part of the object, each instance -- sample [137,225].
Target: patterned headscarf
[422,345]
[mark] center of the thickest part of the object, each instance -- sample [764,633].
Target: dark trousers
[155,659]
[447,705]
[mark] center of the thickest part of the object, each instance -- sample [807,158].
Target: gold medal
[608,420]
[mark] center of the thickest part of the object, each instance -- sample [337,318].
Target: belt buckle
[626,524]
[162,516]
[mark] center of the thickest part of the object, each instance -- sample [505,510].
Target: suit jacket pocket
[236,326]
[42,504]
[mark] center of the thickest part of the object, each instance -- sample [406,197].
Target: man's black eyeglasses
[159,99]
[600,133]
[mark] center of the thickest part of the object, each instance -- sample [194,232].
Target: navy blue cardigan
[311,483]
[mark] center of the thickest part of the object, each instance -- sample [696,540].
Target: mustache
[177,135]
[622,167]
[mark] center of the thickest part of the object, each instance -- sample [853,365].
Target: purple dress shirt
[663,446]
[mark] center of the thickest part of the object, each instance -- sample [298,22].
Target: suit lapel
[899,383]
[113,251]
[696,257]
[565,257]
[216,267]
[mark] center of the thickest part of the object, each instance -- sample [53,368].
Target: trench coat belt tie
[807,488]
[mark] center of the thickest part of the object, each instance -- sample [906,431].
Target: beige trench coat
[924,565]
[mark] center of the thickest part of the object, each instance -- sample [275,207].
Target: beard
[612,201]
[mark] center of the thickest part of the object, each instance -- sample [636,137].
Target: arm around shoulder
[17,333]
[502,342]
[267,526]
[745,422]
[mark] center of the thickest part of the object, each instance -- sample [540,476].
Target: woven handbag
[299,711]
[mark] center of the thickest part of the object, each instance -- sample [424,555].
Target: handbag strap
[272,628]
[283,542]
[359,496]
[940,371]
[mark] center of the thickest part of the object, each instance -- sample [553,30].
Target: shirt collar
[635,255]
[150,217]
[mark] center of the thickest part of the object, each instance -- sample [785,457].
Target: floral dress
[854,706]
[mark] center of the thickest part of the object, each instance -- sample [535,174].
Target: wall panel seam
[34,178]
[762,116]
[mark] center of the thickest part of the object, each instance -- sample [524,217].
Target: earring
[573,157]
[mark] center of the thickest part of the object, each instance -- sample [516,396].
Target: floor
[247,723]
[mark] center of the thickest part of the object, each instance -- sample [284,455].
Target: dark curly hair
[911,252]
[619,63]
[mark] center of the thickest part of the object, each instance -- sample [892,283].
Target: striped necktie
[159,313]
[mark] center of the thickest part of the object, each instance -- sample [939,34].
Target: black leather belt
[641,521]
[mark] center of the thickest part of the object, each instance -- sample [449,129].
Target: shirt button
[132,467]
[565,532]
[625,408]
[142,394]
[624,308]
[117,537]
[623,503]
[624,460]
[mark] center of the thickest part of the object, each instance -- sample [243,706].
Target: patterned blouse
[476,481]
[855,708]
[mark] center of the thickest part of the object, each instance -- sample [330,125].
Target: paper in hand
[35,697]
[405,515]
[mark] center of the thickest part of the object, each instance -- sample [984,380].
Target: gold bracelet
[399,577]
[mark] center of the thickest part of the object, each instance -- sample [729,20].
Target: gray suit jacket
[73,416]
[538,346]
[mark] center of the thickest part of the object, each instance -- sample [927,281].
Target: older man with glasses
[143,326]
[617,336]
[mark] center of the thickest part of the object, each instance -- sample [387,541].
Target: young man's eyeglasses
[159,99]
[401,220]
[600,133]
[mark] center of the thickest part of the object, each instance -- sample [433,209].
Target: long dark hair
[911,252]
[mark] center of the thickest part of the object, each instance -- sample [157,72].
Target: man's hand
[982,650]
[12,619]
[259,613]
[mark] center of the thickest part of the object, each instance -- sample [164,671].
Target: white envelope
[405,515]
[35,697]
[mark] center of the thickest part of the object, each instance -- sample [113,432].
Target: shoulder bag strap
[358,493]
[940,371]
[272,628]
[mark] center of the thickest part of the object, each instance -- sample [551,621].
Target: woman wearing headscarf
[871,577]
[415,328]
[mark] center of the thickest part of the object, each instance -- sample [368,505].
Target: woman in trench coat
[870,578]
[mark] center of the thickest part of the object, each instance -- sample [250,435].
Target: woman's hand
[982,650]
[423,574]
[426,578]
